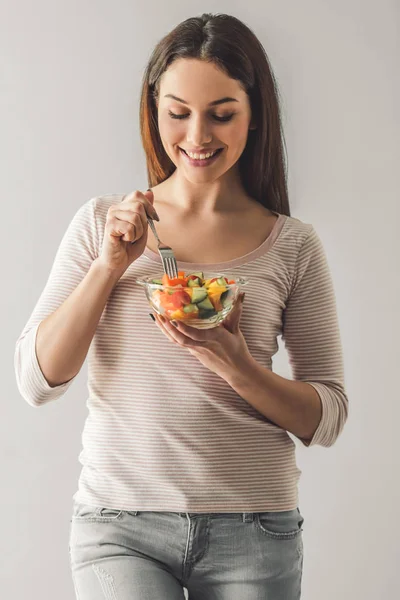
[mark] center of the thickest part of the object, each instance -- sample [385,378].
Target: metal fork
[167,256]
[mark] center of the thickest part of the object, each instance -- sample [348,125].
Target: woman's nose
[199,132]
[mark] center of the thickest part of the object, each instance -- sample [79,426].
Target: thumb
[149,195]
[231,323]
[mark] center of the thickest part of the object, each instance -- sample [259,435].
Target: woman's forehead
[189,79]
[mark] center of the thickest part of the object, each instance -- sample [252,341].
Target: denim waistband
[247,517]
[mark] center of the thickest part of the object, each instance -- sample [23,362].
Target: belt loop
[248,517]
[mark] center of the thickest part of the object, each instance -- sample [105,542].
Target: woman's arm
[75,287]
[63,338]
[314,405]
[293,405]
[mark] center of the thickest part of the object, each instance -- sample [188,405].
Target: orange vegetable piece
[215,300]
[173,281]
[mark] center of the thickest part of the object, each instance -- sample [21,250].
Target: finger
[179,337]
[131,212]
[163,329]
[137,196]
[149,194]
[231,323]
[127,231]
[133,207]
[129,215]
[198,335]
[138,218]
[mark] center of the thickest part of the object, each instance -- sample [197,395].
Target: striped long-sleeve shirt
[163,432]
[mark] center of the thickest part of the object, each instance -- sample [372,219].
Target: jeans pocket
[98,514]
[280,525]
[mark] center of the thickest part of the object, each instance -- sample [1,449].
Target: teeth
[200,156]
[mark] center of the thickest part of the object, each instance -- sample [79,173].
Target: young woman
[189,477]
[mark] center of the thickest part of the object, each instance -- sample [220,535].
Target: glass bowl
[200,299]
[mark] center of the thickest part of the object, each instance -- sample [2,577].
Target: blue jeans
[135,555]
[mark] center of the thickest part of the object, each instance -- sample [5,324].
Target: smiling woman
[236,112]
[189,475]
[207,139]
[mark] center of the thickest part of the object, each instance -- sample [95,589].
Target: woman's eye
[216,117]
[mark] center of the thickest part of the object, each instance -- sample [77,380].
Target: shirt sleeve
[76,252]
[312,338]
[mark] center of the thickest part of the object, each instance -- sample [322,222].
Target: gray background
[70,82]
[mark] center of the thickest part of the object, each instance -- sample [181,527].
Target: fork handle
[150,222]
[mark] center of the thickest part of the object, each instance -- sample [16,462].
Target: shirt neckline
[240,260]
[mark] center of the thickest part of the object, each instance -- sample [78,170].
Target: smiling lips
[203,151]
[199,162]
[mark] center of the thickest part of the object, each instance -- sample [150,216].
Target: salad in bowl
[201,300]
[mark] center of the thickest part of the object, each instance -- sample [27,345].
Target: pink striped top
[163,433]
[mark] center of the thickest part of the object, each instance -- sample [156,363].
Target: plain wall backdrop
[70,82]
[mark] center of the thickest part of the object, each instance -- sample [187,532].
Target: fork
[167,256]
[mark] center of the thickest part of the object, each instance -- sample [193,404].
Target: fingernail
[152,316]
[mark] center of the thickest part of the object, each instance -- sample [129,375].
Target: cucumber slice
[157,281]
[221,281]
[199,295]
[194,283]
[199,274]
[205,304]
[226,298]
[190,308]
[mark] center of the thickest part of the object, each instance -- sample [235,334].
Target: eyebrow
[213,103]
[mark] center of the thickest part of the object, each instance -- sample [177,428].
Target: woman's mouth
[201,162]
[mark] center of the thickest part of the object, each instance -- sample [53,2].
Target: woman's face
[203,127]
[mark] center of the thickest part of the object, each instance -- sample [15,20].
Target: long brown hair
[228,43]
